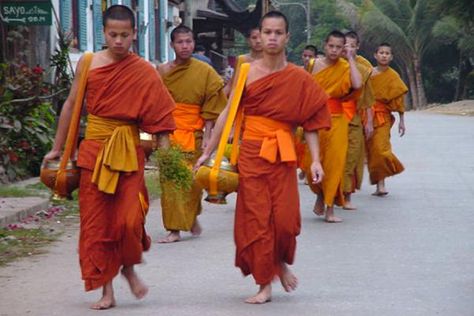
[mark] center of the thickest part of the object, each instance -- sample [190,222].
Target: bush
[26,120]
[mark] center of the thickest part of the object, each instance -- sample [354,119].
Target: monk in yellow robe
[357,109]
[389,91]
[338,78]
[277,98]
[255,52]
[197,90]
[124,94]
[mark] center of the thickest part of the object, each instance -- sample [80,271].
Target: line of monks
[185,103]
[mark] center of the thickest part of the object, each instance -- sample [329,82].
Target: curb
[9,215]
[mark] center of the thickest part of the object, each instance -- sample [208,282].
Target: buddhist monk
[255,52]
[357,107]
[308,57]
[197,90]
[338,78]
[389,91]
[124,94]
[309,52]
[278,97]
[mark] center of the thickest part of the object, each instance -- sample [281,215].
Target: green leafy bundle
[174,167]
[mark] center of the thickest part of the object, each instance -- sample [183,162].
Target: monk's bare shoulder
[165,68]
[319,65]
[100,59]
[255,71]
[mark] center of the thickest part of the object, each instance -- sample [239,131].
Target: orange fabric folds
[112,231]
[335,106]
[380,112]
[267,216]
[349,108]
[188,120]
[276,138]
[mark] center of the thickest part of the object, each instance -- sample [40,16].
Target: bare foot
[103,303]
[288,279]
[330,218]
[107,301]
[263,296]
[319,206]
[349,206]
[137,287]
[302,175]
[196,230]
[173,236]
[380,193]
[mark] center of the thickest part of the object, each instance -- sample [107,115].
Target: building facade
[81,21]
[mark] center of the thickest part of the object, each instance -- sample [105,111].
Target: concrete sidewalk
[14,209]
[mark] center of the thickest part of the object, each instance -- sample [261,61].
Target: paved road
[410,253]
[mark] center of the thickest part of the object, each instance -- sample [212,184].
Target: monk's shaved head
[336,34]
[120,13]
[277,15]
[181,29]
[384,44]
[353,35]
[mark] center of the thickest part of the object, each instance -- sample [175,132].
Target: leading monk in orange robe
[278,97]
[389,92]
[338,78]
[124,94]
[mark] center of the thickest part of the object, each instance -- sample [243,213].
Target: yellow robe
[364,97]
[336,82]
[193,83]
[389,91]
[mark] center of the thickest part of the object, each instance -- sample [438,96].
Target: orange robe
[197,90]
[112,232]
[336,82]
[267,218]
[357,106]
[389,91]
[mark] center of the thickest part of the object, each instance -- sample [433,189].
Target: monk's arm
[208,125]
[65,118]
[401,125]
[215,136]
[163,139]
[356,77]
[312,140]
[369,127]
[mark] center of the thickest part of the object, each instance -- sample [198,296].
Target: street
[409,253]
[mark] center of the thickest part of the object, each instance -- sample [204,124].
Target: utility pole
[307,12]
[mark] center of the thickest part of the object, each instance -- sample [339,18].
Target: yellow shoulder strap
[234,105]
[73,126]
[310,66]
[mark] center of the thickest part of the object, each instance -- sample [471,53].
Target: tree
[407,25]
[457,27]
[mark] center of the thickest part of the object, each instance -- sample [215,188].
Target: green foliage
[25,120]
[23,242]
[173,167]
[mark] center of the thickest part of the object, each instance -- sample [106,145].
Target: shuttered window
[82,16]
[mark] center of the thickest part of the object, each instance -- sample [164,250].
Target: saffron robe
[197,84]
[389,91]
[112,232]
[360,102]
[336,82]
[267,217]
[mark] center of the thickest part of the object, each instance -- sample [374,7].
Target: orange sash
[380,110]
[188,120]
[275,136]
[335,106]
[350,109]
